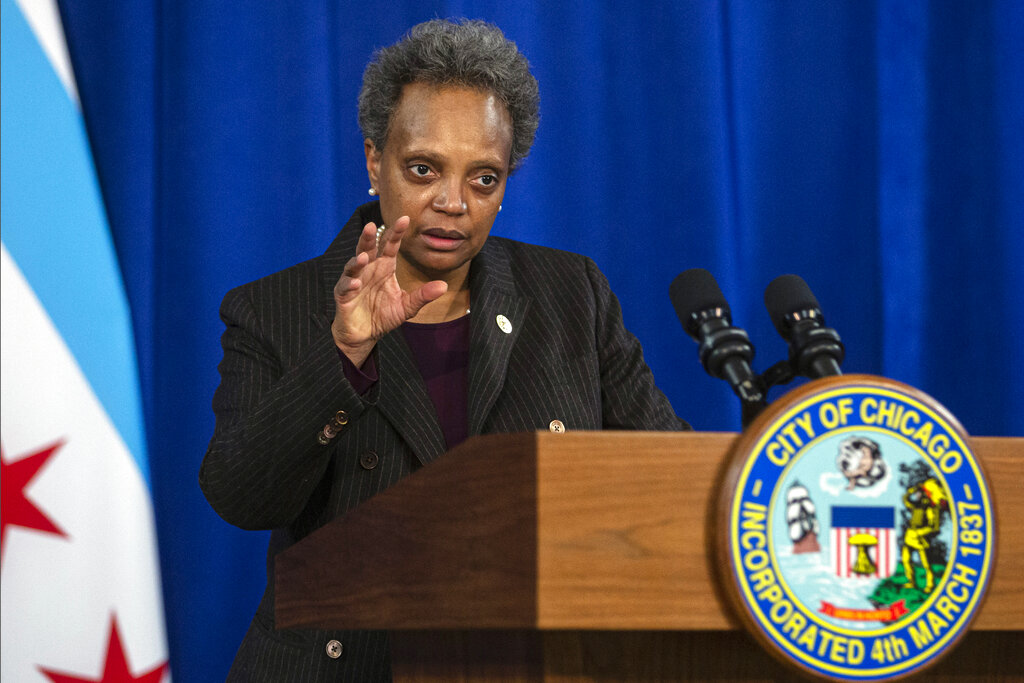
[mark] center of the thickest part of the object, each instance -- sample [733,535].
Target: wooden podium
[583,556]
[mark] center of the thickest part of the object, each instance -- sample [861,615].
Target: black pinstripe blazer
[567,357]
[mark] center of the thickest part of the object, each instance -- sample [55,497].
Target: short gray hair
[468,53]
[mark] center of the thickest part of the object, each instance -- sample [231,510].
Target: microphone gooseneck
[814,350]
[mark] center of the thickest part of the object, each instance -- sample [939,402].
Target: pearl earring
[372,192]
[499,207]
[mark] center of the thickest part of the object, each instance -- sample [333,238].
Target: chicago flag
[79,575]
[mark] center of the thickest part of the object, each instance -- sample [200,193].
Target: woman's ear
[372,161]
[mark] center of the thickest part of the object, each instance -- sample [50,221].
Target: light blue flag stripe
[55,227]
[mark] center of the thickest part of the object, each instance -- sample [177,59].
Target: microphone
[725,351]
[814,350]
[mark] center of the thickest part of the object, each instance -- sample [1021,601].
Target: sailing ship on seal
[802,520]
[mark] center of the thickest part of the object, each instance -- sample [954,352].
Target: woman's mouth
[443,240]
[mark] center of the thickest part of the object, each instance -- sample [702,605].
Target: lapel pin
[503,324]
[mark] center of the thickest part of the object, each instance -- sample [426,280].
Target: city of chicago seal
[860,529]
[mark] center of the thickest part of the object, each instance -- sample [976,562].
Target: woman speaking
[412,332]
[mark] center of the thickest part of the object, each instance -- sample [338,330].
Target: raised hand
[368,301]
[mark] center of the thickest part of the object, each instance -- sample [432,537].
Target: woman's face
[444,166]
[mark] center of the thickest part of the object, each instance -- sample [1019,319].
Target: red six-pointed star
[115,669]
[15,508]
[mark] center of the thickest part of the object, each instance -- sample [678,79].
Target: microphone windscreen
[693,291]
[786,294]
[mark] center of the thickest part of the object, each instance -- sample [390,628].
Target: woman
[413,331]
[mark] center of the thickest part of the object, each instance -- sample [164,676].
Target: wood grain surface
[584,557]
[453,546]
[622,537]
[582,530]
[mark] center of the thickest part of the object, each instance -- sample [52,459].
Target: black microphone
[814,350]
[725,351]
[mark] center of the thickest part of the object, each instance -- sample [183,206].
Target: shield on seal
[863,542]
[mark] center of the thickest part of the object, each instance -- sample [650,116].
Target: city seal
[860,535]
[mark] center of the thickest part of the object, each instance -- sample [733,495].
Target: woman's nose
[449,197]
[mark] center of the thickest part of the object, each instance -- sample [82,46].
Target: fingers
[346,286]
[387,244]
[367,240]
[392,238]
[355,265]
[422,296]
[349,282]
[369,249]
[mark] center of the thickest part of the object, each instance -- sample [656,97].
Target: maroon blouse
[441,353]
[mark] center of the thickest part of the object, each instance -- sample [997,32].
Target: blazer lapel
[492,294]
[404,400]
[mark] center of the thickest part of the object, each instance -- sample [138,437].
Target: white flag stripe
[65,590]
[44,19]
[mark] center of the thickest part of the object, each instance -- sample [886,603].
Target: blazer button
[334,649]
[323,439]
[556,426]
[369,460]
[340,420]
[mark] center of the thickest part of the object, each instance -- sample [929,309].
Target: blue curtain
[875,148]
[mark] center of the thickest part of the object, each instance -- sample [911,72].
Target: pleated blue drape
[875,148]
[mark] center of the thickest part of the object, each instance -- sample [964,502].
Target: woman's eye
[488,180]
[421,169]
